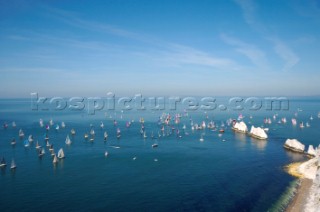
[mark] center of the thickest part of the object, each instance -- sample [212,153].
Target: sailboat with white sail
[37,145]
[68,141]
[30,138]
[105,135]
[21,133]
[61,154]
[46,137]
[118,133]
[3,163]
[41,152]
[26,143]
[92,132]
[55,159]
[13,164]
[13,142]
[51,148]
[41,123]
[73,132]
[85,136]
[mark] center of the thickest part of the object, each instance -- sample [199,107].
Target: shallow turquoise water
[240,174]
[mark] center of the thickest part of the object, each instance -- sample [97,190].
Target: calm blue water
[240,174]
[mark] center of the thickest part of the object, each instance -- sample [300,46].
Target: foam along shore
[258,132]
[308,194]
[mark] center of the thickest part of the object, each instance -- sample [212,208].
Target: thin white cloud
[249,13]
[17,37]
[310,8]
[74,19]
[288,56]
[158,50]
[34,70]
[182,55]
[254,54]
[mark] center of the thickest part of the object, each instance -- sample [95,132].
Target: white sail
[61,153]
[63,125]
[68,141]
[30,138]
[13,164]
[55,159]
[3,162]
[203,125]
[26,143]
[41,123]
[37,145]
[21,134]
[92,132]
[73,132]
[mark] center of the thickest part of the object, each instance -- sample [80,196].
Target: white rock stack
[294,145]
[240,127]
[258,132]
[311,151]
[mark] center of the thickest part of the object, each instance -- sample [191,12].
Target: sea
[225,172]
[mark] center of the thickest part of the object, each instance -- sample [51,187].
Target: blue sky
[207,47]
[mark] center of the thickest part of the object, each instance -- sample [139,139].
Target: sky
[167,47]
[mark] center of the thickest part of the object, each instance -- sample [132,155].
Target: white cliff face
[309,168]
[311,151]
[241,126]
[313,203]
[258,132]
[294,144]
